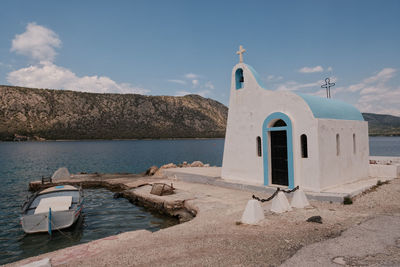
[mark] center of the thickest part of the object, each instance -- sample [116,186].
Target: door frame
[266,129]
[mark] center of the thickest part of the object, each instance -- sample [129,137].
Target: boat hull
[37,223]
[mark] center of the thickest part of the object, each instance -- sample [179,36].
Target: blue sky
[181,47]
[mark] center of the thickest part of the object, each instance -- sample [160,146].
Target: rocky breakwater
[62,114]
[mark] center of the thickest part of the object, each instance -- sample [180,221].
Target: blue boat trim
[49,221]
[59,186]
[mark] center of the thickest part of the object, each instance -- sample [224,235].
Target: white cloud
[209,85]
[378,79]
[329,69]
[182,93]
[48,75]
[202,93]
[195,82]
[382,103]
[191,76]
[295,86]
[311,69]
[177,81]
[383,76]
[375,95]
[320,93]
[37,42]
[274,78]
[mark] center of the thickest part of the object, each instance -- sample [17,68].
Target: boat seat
[61,203]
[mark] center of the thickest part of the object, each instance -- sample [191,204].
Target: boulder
[315,219]
[159,172]
[197,164]
[168,166]
[151,171]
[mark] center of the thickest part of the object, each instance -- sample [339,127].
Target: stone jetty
[135,187]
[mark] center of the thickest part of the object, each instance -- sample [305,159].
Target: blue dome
[327,108]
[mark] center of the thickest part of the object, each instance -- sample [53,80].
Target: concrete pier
[135,187]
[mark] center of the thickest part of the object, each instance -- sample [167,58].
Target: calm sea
[28,161]
[103,215]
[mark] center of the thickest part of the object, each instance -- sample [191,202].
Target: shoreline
[148,139]
[214,236]
[142,139]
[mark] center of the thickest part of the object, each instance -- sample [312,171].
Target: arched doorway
[278,163]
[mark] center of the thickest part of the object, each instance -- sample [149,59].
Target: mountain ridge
[70,115]
[49,114]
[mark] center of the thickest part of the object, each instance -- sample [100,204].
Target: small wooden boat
[54,208]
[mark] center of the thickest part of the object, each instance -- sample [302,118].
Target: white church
[285,139]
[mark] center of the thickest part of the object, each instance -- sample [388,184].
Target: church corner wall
[240,160]
[342,160]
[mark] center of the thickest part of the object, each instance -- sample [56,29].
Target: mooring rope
[275,193]
[64,234]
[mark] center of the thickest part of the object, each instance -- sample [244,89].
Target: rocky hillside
[60,114]
[380,124]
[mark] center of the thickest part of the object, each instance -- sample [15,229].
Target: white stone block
[280,203]
[299,199]
[253,212]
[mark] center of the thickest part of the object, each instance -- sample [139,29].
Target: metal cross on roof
[240,53]
[328,86]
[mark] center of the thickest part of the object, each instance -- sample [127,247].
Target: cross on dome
[240,53]
[328,86]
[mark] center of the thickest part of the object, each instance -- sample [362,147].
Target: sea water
[103,215]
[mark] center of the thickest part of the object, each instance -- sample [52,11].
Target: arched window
[304,149]
[279,123]
[337,144]
[239,78]
[259,153]
[354,143]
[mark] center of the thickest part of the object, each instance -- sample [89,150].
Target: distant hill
[38,114]
[27,113]
[379,124]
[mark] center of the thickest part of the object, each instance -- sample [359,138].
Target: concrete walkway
[212,176]
[375,242]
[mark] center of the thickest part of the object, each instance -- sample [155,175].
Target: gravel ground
[215,238]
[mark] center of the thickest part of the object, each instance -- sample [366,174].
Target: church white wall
[248,108]
[347,166]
